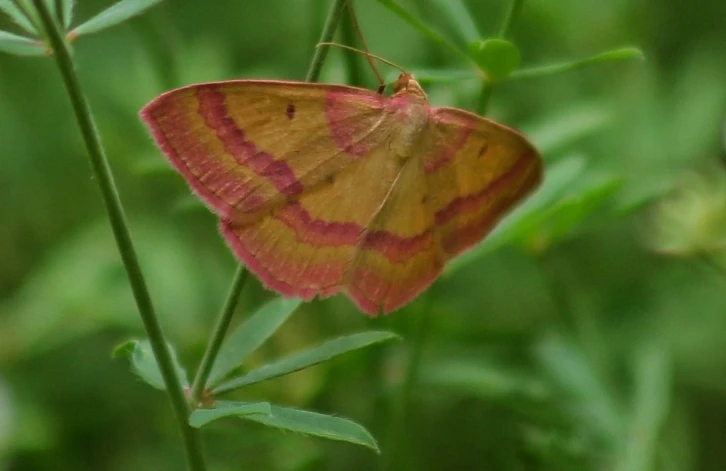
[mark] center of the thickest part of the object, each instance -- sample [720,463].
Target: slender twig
[331,24]
[102,172]
[544,70]
[352,64]
[402,406]
[220,329]
[515,6]
[484,95]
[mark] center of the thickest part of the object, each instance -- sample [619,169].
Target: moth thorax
[413,123]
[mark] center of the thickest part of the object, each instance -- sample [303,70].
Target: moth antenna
[369,55]
[356,28]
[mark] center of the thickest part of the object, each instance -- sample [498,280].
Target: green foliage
[116,14]
[250,335]
[306,359]
[571,339]
[498,58]
[143,362]
[293,420]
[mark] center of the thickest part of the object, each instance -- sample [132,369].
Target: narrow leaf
[588,399]
[485,380]
[201,417]
[317,425]
[114,15]
[455,19]
[422,27]
[614,55]
[17,15]
[67,11]
[556,130]
[31,14]
[308,358]
[250,335]
[20,45]
[143,363]
[651,406]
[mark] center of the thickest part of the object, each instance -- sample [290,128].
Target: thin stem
[352,65]
[103,175]
[402,406]
[215,343]
[544,70]
[515,6]
[331,24]
[484,96]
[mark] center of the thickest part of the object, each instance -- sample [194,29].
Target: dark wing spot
[483,150]
[290,112]
[330,179]
[424,199]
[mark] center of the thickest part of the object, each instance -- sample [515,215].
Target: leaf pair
[238,346]
[25,16]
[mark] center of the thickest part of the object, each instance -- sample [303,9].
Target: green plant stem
[352,64]
[331,24]
[102,172]
[625,53]
[402,405]
[515,6]
[220,329]
[484,95]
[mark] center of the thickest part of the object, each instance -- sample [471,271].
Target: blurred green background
[586,334]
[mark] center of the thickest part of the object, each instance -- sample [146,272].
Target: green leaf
[419,25]
[485,380]
[651,407]
[554,131]
[67,11]
[498,58]
[143,363]
[114,15]
[317,425]
[18,16]
[250,335]
[308,358]
[586,396]
[124,350]
[20,45]
[454,17]
[201,417]
[625,53]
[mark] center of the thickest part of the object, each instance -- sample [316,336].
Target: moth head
[408,85]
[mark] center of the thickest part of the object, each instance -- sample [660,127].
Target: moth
[323,188]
